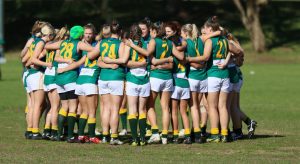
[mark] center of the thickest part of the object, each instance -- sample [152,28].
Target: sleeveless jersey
[146,41]
[218,55]
[68,50]
[137,76]
[89,73]
[31,50]
[194,49]
[163,49]
[110,48]
[180,74]
[50,74]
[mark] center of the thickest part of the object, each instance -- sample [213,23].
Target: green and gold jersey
[50,56]
[218,55]
[50,74]
[146,41]
[233,73]
[180,74]
[137,75]
[68,50]
[90,71]
[31,51]
[163,49]
[110,48]
[194,49]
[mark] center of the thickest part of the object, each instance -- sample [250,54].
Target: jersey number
[181,67]
[31,50]
[50,57]
[220,55]
[166,48]
[111,52]
[67,50]
[89,64]
[137,57]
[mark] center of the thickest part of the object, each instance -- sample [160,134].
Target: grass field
[270,95]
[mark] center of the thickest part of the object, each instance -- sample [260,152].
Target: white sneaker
[97,132]
[181,133]
[155,138]
[104,140]
[115,142]
[123,132]
[164,141]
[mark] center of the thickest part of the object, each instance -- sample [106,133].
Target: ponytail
[213,23]
[61,34]
[191,30]
[195,32]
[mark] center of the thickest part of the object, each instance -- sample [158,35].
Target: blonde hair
[47,29]
[191,30]
[60,35]
[36,28]
[106,31]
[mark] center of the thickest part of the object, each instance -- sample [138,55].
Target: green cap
[76,32]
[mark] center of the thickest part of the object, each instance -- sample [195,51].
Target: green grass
[270,96]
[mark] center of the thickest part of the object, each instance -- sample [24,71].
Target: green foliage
[280,20]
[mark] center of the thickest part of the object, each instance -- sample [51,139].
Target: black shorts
[68,95]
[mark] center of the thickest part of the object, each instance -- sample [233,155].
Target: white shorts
[35,81]
[236,87]
[49,87]
[86,89]
[198,85]
[137,90]
[66,87]
[215,84]
[180,93]
[27,90]
[111,87]
[159,85]
[24,77]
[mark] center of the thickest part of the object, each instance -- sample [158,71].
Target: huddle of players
[65,72]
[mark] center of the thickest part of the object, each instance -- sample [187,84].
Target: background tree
[250,15]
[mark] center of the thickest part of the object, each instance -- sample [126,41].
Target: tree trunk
[251,20]
[258,37]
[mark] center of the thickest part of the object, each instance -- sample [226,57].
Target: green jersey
[25,69]
[194,49]
[110,48]
[90,71]
[180,74]
[50,73]
[233,73]
[163,49]
[137,75]
[218,55]
[31,50]
[239,73]
[68,50]
[146,41]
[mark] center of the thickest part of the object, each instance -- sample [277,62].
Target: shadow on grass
[258,136]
